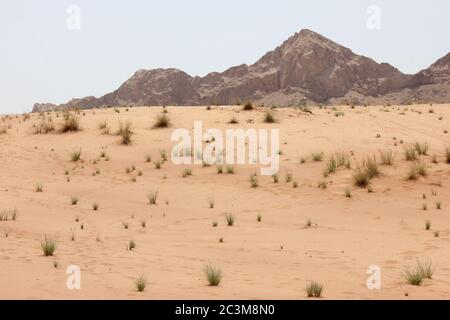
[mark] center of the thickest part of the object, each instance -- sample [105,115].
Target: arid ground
[325,229]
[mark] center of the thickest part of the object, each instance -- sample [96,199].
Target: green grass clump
[317,156]
[141,283]
[48,245]
[213,274]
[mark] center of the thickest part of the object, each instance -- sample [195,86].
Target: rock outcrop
[305,68]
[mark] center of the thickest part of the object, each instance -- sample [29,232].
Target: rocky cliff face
[306,67]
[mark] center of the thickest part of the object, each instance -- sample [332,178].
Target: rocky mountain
[306,68]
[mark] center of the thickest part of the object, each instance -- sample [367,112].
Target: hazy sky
[44,60]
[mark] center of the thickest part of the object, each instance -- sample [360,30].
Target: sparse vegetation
[187,172]
[140,283]
[152,196]
[387,157]
[48,245]
[74,200]
[361,178]
[269,117]
[39,187]
[125,131]
[213,274]
[410,153]
[254,180]
[71,122]
[230,219]
[421,148]
[314,290]
[162,121]
[317,156]
[75,155]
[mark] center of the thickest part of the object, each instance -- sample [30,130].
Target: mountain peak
[307,65]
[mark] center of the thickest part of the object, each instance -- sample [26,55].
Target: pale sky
[42,60]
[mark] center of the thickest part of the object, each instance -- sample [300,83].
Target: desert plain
[310,225]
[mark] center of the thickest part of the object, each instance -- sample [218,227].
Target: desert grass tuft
[314,290]
[39,187]
[186,172]
[230,219]
[152,196]
[48,245]
[386,157]
[74,200]
[413,277]
[269,117]
[162,121]
[211,203]
[71,122]
[410,153]
[213,274]
[361,178]
[447,155]
[75,155]
[140,283]
[95,206]
[254,180]
[125,131]
[421,148]
[317,156]
[427,225]
[131,245]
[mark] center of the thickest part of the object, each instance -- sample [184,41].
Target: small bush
[71,122]
[187,172]
[269,117]
[427,225]
[254,180]
[131,245]
[421,148]
[413,277]
[248,106]
[75,155]
[371,167]
[213,274]
[219,169]
[387,157]
[230,219]
[48,245]
[95,206]
[410,153]
[39,187]
[152,196]
[230,169]
[162,121]
[141,283]
[125,131]
[74,200]
[361,178]
[314,290]
[447,155]
[233,120]
[317,156]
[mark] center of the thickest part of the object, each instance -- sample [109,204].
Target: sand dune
[275,258]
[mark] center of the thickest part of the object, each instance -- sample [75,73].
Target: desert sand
[275,258]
